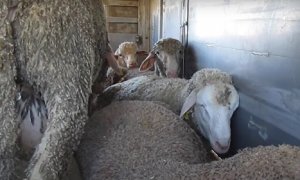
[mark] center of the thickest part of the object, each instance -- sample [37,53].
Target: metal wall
[171,18]
[258,42]
[155,21]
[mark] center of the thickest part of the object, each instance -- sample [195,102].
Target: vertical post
[144,23]
[184,29]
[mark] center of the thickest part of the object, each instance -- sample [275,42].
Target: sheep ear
[189,102]
[148,62]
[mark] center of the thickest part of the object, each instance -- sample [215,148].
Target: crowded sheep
[53,56]
[144,140]
[210,95]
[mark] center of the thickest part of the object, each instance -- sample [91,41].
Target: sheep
[127,55]
[143,140]
[111,71]
[127,134]
[210,94]
[8,122]
[126,52]
[34,113]
[166,56]
[263,162]
[56,48]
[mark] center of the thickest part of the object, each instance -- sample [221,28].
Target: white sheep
[126,59]
[126,52]
[143,140]
[210,94]
[166,56]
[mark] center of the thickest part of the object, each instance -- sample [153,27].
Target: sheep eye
[157,53]
[180,52]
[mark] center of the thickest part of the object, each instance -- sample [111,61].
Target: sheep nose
[223,146]
[132,65]
[172,74]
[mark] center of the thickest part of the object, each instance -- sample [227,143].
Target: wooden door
[128,20]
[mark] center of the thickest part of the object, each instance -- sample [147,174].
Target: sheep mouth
[172,75]
[132,65]
[220,149]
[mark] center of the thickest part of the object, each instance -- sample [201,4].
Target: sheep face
[130,60]
[168,55]
[127,52]
[171,62]
[213,109]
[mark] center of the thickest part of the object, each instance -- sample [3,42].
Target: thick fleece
[56,47]
[142,140]
[126,135]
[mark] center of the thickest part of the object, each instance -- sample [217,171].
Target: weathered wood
[126,13]
[144,24]
[122,19]
[122,11]
[122,3]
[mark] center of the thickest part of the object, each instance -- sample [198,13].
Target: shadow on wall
[190,63]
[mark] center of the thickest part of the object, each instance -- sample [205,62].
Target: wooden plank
[130,28]
[122,11]
[122,19]
[122,3]
[117,38]
[144,24]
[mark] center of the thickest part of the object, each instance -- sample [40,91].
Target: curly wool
[126,135]
[175,90]
[150,142]
[209,76]
[127,48]
[168,45]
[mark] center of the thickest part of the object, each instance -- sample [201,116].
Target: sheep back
[126,135]
[263,162]
[172,91]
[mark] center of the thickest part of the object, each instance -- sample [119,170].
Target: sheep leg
[67,115]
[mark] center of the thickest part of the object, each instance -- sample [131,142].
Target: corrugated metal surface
[258,42]
[171,18]
[155,23]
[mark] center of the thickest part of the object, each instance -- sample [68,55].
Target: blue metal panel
[258,42]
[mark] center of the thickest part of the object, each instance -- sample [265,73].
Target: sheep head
[127,52]
[167,52]
[213,105]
